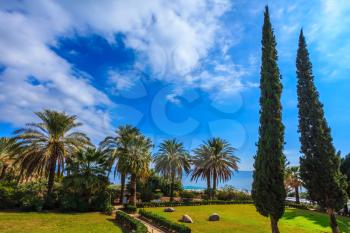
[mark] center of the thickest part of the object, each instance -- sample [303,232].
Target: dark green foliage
[130,209]
[302,206]
[192,203]
[130,223]
[228,193]
[9,195]
[28,196]
[319,164]
[156,186]
[165,223]
[187,194]
[268,190]
[86,186]
[345,169]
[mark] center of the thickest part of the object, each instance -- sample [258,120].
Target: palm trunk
[132,200]
[122,187]
[214,185]
[172,188]
[297,199]
[3,172]
[274,226]
[51,179]
[333,220]
[208,186]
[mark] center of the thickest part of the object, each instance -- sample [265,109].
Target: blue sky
[184,69]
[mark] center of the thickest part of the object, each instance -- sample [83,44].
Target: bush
[165,223]
[187,194]
[130,223]
[130,209]
[81,193]
[28,196]
[229,193]
[108,209]
[302,206]
[33,196]
[194,203]
[9,195]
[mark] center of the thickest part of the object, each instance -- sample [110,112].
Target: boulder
[187,219]
[169,209]
[214,217]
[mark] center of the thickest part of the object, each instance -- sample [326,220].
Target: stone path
[150,227]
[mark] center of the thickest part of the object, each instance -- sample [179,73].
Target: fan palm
[89,162]
[292,179]
[137,157]
[171,160]
[8,149]
[215,158]
[47,144]
[114,147]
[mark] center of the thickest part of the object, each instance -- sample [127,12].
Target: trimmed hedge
[302,206]
[130,223]
[130,209]
[165,223]
[194,203]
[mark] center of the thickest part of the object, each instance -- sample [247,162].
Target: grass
[245,219]
[28,222]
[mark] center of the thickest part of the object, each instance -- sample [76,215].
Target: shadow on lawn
[318,218]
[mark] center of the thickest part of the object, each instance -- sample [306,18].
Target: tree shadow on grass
[317,218]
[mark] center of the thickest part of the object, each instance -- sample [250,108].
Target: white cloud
[171,38]
[25,34]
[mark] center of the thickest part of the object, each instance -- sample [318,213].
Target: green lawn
[27,222]
[244,219]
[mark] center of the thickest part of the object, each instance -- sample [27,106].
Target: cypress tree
[268,189]
[319,163]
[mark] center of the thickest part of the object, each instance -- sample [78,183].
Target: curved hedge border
[195,203]
[165,223]
[130,223]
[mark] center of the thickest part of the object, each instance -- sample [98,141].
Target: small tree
[292,180]
[268,190]
[319,164]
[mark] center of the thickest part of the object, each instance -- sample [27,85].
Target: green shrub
[33,195]
[28,196]
[187,194]
[130,209]
[229,193]
[132,224]
[84,193]
[302,206]
[165,223]
[108,209]
[194,203]
[9,195]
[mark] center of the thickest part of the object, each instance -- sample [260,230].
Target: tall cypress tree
[268,189]
[319,164]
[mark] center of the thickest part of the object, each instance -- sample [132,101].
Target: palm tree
[215,158]
[171,160]
[200,169]
[8,149]
[292,179]
[137,157]
[47,144]
[89,162]
[87,175]
[114,147]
